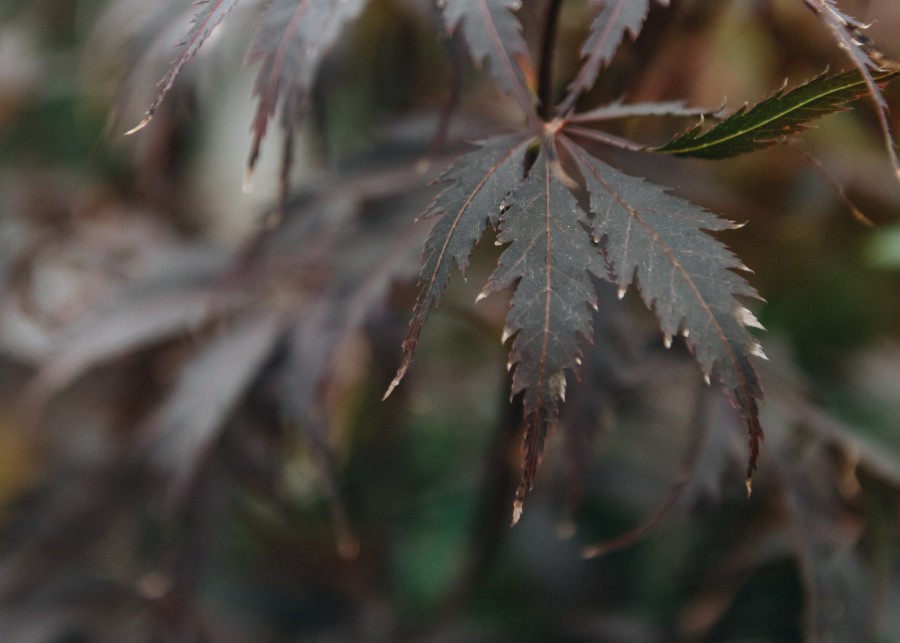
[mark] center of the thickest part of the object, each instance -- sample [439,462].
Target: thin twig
[548,45]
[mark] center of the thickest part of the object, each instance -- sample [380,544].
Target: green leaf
[777,117]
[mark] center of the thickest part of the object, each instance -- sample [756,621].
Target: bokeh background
[193,445]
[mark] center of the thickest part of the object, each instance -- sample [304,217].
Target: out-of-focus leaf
[871,63]
[883,248]
[133,321]
[294,37]
[209,14]
[493,33]
[615,19]
[208,389]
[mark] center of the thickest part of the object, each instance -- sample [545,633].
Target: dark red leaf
[551,260]
[615,19]
[209,14]
[292,41]
[493,33]
[684,274]
[480,182]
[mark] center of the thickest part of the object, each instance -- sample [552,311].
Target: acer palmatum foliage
[566,217]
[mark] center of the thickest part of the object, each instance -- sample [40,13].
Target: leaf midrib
[676,264]
[760,125]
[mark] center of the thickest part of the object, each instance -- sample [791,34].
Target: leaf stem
[548,45]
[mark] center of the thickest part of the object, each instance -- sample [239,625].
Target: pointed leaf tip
[395,382]
[517,512]
[209,15]
[144,122]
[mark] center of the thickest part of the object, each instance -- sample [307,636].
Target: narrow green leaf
[773,119]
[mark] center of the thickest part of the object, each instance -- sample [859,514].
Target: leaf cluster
[566,217]
[192,393]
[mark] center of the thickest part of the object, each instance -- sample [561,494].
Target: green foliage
[773,120]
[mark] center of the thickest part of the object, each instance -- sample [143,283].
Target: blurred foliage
[192,442]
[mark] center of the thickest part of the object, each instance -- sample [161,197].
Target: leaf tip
[144,122]
[247,185]
[860,217]
[395,382]
[557,385]
[590,552]
[756,349]
[747,318]
[517,512]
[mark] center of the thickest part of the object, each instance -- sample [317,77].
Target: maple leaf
[685,275]
[558,246]
[292,41]
[615,19]
[773,119]
[848,33]
[480,181]
[551,259]
[493,34]
[209,14]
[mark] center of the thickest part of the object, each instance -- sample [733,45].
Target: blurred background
[193,445]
